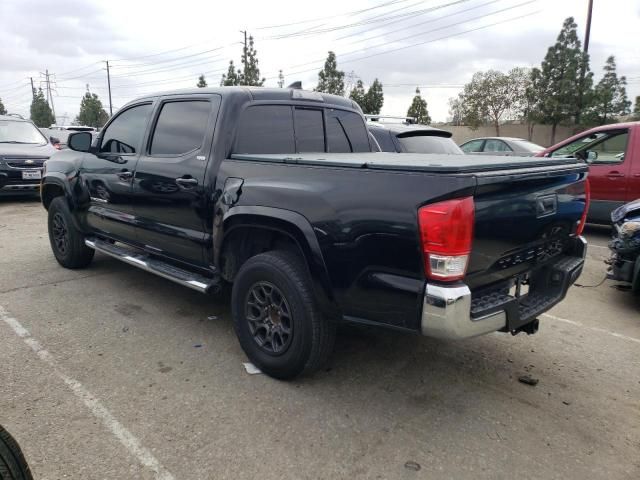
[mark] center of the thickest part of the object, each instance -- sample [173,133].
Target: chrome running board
[153,265]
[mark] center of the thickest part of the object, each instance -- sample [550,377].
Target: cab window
[124,134]
[180,128]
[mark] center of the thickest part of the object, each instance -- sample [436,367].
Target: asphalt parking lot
[110,372]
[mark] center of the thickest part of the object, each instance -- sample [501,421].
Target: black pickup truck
[277,192]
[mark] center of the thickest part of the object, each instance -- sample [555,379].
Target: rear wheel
[67,242]
[275,316]
[13,465]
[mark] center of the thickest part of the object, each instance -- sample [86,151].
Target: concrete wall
[541,133]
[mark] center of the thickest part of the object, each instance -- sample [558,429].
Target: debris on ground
[197,345]
[251,369]
[412,466]
[566,402]
[212,317]
[528,379]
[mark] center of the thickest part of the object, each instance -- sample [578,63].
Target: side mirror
[80,141]
[592,155]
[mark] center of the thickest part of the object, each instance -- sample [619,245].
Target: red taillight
[446,231]
[587,200]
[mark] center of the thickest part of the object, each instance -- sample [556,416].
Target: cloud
[71,37]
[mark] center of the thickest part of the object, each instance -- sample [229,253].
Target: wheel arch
[267,228]
[52,187]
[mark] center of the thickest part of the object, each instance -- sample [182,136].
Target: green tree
[357,94]
[232,77]
[330,79]
[280,79]
[91,112]
[251,73]
[41,113]
[636,109]
[370,101]
[492,97]
[455,110]
[609,96]
[3,110]
[374,98]
[202,82]
[562,84]
[418,109]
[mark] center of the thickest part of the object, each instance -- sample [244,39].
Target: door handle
[124,175]
[615,175]
[636,174]
[186,182]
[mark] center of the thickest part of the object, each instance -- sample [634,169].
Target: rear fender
[295,226]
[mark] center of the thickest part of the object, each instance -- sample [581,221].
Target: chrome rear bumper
[446,313]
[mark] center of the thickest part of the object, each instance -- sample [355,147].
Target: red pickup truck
[613,154]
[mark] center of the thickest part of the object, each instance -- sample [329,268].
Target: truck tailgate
[523,218]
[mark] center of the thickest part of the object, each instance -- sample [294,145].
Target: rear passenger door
[169,185]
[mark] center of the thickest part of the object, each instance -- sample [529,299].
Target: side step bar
[153,265]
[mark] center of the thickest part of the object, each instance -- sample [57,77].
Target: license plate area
[31,174]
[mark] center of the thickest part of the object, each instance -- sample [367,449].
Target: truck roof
[436,163]
[264,93]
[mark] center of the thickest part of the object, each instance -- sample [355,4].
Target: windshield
[429,144]
[20,132]
[528,146]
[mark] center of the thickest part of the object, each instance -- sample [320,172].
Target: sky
[158,46]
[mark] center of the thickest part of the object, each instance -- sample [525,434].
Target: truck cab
[613,154]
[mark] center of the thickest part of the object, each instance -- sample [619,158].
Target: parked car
[278,193]
[412,138]
[613,154]
[58,135]
[624,264]
[23,151]
[508,146]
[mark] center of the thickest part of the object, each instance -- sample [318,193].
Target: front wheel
[67,242]
[275,316]
[13,465]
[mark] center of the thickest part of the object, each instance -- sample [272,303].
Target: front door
[169,181]
[609,169]
[108,174]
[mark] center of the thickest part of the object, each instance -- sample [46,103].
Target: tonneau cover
[437,163]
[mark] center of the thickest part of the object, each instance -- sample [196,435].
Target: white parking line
[595,329]
[591,245]
[126,438]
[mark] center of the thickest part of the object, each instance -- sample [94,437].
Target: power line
[306,33]
[361,50]
[318,19]
[425,42]
[431,20]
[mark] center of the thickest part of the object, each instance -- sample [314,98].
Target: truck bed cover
[436,163]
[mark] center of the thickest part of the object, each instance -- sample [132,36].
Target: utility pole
[587,32]
[583,70]
[109,87]
[33,90]
[49,94]
[244,54]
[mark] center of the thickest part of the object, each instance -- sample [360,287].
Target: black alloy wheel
[60,232]
[269,316]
